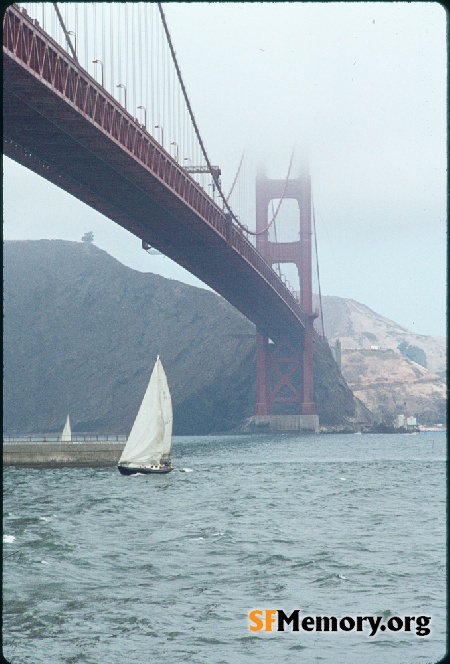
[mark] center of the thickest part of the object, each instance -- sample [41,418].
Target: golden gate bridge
[94,101]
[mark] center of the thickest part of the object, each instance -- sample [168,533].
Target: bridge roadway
[60,123]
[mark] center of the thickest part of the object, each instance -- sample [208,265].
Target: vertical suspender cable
[104,41]
[111,49]
[125,51]
[163,81]
[141,73]
[76,22]
[147,43]
[85,36]
[158,74]
[119,44]
[94,6]
[133,58]
[152,66]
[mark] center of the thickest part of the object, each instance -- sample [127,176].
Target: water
[105,569]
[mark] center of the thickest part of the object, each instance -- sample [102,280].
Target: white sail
[151,434]
[66,436]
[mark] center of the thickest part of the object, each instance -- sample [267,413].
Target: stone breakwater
[60,455]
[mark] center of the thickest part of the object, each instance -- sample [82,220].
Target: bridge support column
[262,343]
[307,404]
[284,370]
[284,384]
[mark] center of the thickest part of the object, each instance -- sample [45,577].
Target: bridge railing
[25,42]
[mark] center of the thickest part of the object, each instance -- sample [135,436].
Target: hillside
[389,384]
[391,370]
[357,326]
[82,331]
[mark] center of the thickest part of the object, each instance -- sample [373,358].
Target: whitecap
[342,577]
[44,518]
[342,479]
[44,562]
[137,474]
[185,470]
[8,539]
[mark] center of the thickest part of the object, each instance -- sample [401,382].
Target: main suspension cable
[236,177]
[64,29]
[264,230]
[276,239]
[212,171]
[317,264]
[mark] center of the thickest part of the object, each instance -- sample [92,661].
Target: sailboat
[66,436]
[150,440]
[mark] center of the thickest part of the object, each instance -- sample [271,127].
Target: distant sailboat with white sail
[66,436]
[149,444]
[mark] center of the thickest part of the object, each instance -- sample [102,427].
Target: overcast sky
[358,87]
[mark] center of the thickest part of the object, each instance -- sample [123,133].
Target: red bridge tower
[284,367]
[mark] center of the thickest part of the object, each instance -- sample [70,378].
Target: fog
[360,90]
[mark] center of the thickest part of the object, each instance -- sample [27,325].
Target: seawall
[62,455]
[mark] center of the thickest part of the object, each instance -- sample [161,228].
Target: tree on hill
[88,237]
[413,353]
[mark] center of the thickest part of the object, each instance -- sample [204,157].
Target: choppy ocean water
[105,569]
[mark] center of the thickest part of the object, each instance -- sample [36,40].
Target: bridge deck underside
[49,136]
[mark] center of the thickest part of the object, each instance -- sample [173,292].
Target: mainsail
[151,434]
[66,436]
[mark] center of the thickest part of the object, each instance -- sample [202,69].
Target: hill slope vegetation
[82,331]
[393,371]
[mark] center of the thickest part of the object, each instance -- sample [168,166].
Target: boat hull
[125,470]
